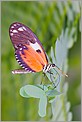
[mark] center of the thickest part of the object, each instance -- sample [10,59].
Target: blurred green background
[47,20]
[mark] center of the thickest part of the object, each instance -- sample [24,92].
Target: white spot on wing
[24,28]
[24,47]
[15,31]
[12,26]
[19,44]
[18,60]
[20,64]
[15,25]
[20,29]
[35,46]
[35,39]
[16,47]
[26,68]
[11,34]
[10,30]
[23,67]
[20,48]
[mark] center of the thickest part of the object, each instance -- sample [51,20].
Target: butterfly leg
[55,85]
[42,80]
[59,78]
[51,78]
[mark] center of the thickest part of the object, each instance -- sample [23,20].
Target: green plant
[46,92]
[46,19]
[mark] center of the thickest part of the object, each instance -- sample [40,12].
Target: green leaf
[53,55]
[52,93]
[67,106]
[69,116]
[60,50]
[51,99]
[42,106]
[43,87]
[34,91]
[54,77]
[23,93]
[48,75]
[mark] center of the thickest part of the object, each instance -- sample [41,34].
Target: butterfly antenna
[61,71]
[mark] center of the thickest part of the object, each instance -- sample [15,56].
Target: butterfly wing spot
[20,48]
[20,45]
[19,62]
[26,68]
[38,50]
[24,28]
[24,47]
[35,46]
[35,39]
[15,24]
[17,59]
[20,29]
[15,31]
[24,56]
[11,34]
[16,47]
[11,30]
[12,26]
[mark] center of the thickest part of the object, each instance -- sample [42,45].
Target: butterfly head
[48,67]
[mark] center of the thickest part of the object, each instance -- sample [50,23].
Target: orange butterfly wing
[35,59]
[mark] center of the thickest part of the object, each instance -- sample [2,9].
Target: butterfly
[29,51]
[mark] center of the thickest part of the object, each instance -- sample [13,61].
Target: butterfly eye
[53,65]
